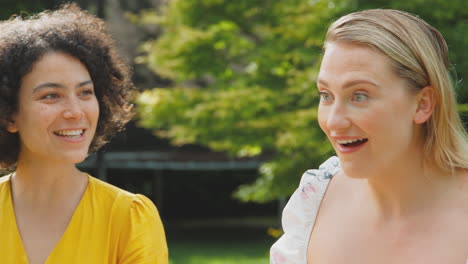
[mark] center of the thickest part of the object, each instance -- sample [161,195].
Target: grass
[231,241]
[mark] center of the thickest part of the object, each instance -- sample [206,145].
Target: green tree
[243,82]
[243,78]
[450,18]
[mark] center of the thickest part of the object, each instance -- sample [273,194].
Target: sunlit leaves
[244,76]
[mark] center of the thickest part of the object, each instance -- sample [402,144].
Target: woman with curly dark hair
[63,92]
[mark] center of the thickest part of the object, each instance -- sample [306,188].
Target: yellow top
[109,225]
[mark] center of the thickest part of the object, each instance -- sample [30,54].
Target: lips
[348,145]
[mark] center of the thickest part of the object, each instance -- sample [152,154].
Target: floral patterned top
[300,213]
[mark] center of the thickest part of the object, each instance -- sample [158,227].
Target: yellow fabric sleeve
[142,238]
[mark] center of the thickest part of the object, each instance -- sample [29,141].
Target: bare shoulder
[340,189]
[336,203]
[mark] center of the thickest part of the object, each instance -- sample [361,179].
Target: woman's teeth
[70,133]
[352,142]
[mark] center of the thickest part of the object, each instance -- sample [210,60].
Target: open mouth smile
[70,134]
[351,145]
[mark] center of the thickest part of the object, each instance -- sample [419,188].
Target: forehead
[346,61]
[57,60]
[56,67]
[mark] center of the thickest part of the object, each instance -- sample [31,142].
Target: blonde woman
[398,190]
[64,92]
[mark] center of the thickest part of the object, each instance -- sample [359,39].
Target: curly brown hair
[71,30]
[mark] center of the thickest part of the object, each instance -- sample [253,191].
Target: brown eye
[87,92]
[50,96]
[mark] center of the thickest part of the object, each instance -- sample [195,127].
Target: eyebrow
[351,83]
[58,85]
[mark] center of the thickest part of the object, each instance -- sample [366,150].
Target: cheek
[92,110]
[34,125]
[371,120]
[390,124]
[35,117]
[322,116]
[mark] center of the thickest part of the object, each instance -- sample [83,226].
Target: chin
[74,158]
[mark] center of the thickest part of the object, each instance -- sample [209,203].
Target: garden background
[226,110]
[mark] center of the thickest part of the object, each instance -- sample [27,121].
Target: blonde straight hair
[420,55]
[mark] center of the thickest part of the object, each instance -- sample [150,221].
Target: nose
[338,117]
[73,109]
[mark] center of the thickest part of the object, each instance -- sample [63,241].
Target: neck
[38,181]
[406,189]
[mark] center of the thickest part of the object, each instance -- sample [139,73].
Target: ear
[426,103]
[11,127]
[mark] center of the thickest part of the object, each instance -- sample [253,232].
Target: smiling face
[58,111]
[367,111]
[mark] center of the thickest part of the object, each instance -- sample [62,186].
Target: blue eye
[359,97]
[324,96]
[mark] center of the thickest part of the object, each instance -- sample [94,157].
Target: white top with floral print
[300,213]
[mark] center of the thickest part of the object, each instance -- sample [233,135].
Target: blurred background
[226,110]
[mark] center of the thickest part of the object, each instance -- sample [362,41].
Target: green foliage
[244,82]
[244,77]
[450,18]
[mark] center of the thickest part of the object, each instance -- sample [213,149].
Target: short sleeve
[143,240]
[300,212]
